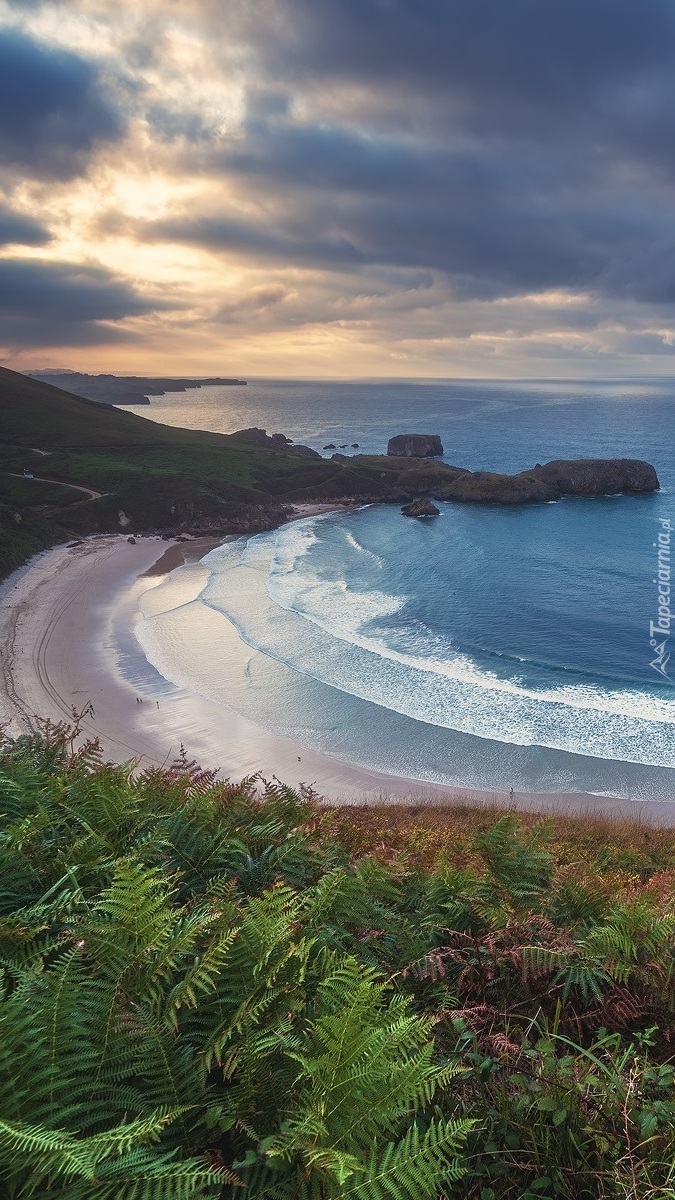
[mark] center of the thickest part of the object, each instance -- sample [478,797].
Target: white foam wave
[330,606]
[293,543]
[323,629]
[356,545]
[344,615]
[303,592]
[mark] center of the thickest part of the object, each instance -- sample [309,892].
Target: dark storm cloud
[62,303]
[286,246]
[516,256]
[332,156]
[496,223]
[498,149]
[17,229]
[517,147]
[18,333]
[523,50]
[54,109]
[75,292]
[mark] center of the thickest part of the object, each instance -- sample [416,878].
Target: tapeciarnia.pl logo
[659,630]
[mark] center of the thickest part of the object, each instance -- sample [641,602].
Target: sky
[338,188]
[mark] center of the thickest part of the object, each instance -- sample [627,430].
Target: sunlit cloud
[338,188]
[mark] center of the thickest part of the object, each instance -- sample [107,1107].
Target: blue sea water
[491,647]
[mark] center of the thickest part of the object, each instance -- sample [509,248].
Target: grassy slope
[110,446]
[629,853]
[167,479]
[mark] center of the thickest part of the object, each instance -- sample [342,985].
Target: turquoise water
[488,647]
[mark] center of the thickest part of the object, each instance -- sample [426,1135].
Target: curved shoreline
[66,630]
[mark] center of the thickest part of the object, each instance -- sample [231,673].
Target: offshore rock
[420,508]
[415,445]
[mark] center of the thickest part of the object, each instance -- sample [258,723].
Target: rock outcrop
[597,476]
[552,481]
[487,487]
[275,441]
[420,508]
[415,445]
[386,479]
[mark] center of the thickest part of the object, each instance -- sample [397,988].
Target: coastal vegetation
[220,990]
[121,473]
[161,478]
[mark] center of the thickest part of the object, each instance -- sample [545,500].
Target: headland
[68,617]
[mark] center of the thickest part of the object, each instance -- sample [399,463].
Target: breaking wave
[315,597]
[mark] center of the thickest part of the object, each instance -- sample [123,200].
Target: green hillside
[103,445]
[163,479]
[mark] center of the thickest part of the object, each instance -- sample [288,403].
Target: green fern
[201,996]
[417,1166]
[117,1164]
[369,1068]
[517,861]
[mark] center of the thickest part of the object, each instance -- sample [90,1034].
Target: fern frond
[538,961]
[416,1168]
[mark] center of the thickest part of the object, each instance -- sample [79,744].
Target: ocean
[488,648]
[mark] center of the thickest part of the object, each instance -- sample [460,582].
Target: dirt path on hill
[91,493]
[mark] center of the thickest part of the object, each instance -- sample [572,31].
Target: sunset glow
[341,188]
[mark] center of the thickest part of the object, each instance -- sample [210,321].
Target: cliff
[274,441]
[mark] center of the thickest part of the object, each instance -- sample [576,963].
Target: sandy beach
[67,622]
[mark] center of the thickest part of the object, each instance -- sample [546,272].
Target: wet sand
[67,623]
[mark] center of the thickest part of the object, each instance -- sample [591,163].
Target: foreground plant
[169,1024]
[204,995]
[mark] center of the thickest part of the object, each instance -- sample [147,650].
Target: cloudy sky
[338,188]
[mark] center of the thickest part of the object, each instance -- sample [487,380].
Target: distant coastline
[124,389]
